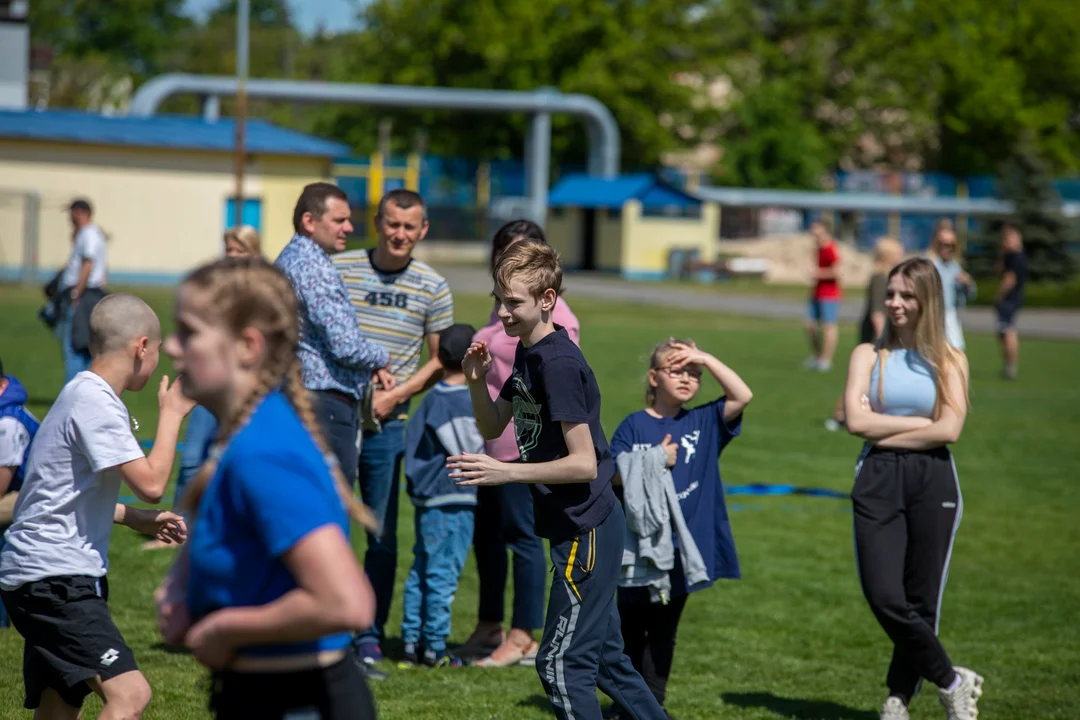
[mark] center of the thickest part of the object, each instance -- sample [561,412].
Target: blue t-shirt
[551,383]
[701,435]
[272,487]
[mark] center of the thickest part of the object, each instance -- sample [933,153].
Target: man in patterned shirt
[336,359]
[401,303]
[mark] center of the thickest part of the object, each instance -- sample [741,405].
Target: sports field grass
[794,638]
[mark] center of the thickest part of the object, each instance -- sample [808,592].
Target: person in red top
[823,310]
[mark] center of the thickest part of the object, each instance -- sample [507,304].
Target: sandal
[513,656]
[481,645]
[528,659]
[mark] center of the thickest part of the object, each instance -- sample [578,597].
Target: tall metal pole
[243,21]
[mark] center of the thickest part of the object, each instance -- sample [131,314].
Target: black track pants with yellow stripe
[582,647]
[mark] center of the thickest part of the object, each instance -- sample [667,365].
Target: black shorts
[337,692]
[1006,316]
[69,636]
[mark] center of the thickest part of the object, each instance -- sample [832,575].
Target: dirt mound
[791,258]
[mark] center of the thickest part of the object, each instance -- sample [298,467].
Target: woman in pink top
[504,513]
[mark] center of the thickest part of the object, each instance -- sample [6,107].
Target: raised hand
[477,362]
[172,399]
[671,449]
[682,355]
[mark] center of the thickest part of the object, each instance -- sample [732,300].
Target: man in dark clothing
[1010,296]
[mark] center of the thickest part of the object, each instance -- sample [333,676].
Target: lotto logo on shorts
[109,657]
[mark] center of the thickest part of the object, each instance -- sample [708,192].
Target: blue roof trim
[584,191]
[176,132]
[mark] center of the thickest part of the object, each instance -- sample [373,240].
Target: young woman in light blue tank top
[906,397]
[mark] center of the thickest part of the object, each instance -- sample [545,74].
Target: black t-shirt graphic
[551,384]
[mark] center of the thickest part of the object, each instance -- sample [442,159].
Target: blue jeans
[443,536]
[202,426]
[74,362]
[379,475]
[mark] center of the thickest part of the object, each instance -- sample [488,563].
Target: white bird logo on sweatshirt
[689,443]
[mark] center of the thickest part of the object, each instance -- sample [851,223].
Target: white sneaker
[811,363]
[894,709]
[832,424]
[960,704]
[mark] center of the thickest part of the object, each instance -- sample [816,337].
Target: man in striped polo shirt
[400,303]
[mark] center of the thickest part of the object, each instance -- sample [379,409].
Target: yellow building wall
[283,178]
[564,233]
[609,241]
[647,241]
[162,211]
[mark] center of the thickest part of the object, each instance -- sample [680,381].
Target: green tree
[1026,181]
[97,46]
[626,53]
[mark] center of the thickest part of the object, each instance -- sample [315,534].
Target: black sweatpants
[504,519]
[582,646]
[648,631]
[907,508]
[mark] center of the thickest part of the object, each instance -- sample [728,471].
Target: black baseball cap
[80,204]
[454,342]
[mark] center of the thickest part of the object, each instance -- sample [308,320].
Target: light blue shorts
[826,312]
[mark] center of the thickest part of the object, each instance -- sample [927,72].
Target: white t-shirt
[64,514]
[89,245]
[14,439]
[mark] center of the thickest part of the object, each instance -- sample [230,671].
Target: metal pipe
[604,155]
[243,22]
[211,108]
[31,236]
[538,167]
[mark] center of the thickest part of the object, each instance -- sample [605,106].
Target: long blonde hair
[930,341]
[246,237]
[887,252]
[658,352]
[934,251]
[249,292]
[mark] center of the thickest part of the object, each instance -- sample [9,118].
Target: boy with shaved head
[53,566]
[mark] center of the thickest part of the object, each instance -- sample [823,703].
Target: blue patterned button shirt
[333,352]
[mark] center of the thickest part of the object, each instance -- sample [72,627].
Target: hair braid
[226,431]
[301,402]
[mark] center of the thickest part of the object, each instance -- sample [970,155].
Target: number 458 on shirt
[387,299]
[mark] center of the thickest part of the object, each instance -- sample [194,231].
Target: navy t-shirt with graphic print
[701,435]
[551,384]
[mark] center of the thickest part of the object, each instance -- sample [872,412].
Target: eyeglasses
[677,373]
[950,246]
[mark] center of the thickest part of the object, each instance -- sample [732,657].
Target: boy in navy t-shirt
[554,400]
[443,426]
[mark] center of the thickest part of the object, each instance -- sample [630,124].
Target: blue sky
[307,14]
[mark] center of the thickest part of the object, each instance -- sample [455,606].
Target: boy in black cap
[443,426]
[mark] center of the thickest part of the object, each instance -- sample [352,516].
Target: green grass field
[794,638]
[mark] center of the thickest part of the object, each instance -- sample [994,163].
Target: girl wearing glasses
[693,439]
[956,284]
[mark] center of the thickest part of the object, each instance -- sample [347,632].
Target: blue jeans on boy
[202,426]
[443,537]
[74,362]
[381,455]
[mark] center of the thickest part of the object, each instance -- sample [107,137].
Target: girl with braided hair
[269,591]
